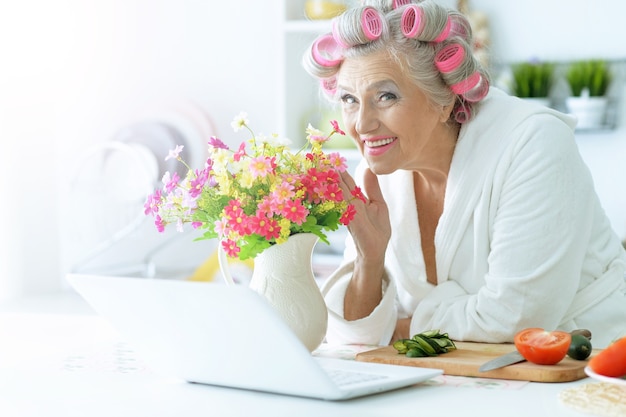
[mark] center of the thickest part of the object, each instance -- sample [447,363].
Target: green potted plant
[533,80]
[589,81]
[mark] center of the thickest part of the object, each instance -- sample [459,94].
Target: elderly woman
[481,218]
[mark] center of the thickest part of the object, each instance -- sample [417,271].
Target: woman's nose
[367,120]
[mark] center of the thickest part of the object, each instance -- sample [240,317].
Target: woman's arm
[370,321]
[370,230]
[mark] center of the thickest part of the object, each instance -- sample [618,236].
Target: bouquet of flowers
[259,194]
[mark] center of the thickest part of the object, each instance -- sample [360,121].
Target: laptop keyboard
[343,378]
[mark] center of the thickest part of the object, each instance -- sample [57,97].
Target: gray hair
[442,35]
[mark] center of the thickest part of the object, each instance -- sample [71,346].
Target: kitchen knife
[516,357]
[502,361]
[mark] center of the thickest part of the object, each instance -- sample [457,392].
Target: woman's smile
[378,145]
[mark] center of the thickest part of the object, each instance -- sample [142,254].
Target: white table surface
[59,359]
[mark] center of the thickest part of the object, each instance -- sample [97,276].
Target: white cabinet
[300,100]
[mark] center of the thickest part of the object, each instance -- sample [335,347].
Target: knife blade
[502,361]
[516,357]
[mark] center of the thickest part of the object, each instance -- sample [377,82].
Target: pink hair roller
[462,113]
[456,29]
[400,3]
[411,21]
[467,84]
[329,85]
[479,91]
[445,32]
[326,52]
[449,58]
[372,23]
[474,88]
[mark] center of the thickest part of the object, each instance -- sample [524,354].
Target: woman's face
[389,117]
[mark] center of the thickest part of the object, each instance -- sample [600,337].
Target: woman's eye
[387,96]
[348,99]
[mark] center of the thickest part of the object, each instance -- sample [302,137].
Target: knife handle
[583,332]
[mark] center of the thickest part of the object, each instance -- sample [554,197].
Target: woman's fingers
[371,187]
[347,182]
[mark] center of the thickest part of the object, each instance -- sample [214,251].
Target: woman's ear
[445,112]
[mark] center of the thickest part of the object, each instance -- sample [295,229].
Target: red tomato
[611,361]
[542,347]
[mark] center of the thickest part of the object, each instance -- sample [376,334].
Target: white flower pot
[590,111]
[284,276]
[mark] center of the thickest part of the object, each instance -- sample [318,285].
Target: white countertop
[59,359]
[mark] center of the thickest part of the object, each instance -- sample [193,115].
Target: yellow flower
[224,180]
[221,158]
[246,179]
[285,231]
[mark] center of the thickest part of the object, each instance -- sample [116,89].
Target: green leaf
[209,234]
[253,246]
[591,74]
[533,79]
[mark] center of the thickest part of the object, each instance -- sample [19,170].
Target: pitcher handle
[223,262]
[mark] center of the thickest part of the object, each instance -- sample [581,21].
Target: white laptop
[229,336]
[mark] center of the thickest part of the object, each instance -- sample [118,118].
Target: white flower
[273,140]
[311,131]
[173,153]
[240,121]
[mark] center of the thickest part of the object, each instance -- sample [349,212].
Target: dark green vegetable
[429,343]
[579,348]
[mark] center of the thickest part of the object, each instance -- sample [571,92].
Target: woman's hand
[370,229]
[402,331]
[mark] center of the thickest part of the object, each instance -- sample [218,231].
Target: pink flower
[331,176]
[241,152]
[158,222]
[220,227]
[151,206]
[333,193]
[265,207]
[336,128]
[294,211]
[348,215]
[198,182]
[237,219]
[337,162]
[261,166]
[318,138]
[313,184]
[283,191]
[356,192]
[277,206]
[312,177]
[268,228]
[217,143]
[231,248]
[233,205]
[170,182]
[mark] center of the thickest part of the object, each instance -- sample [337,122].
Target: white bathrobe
[522,241]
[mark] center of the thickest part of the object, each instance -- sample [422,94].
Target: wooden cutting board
[466,359]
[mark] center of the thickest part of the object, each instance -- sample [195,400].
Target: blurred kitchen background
[94,93]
